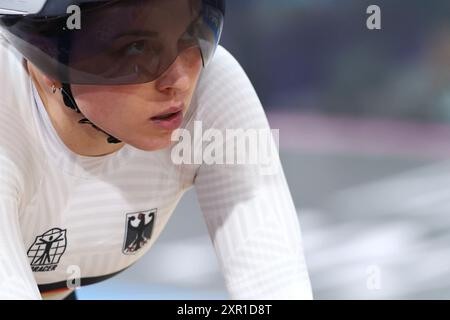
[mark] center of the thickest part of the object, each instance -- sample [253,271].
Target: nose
[178,77]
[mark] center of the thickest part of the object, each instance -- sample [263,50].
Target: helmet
[109,42]
[115,42]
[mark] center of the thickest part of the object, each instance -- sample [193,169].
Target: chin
[150,144]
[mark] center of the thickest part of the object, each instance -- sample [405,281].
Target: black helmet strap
[69,101]
[64,45]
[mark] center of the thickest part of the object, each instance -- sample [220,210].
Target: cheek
[196,66]
[102,104]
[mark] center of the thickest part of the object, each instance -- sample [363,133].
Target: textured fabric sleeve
[249,212]
[16,278]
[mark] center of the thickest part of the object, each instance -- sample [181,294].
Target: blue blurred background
[365,143]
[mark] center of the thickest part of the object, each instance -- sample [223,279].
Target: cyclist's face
[126,111]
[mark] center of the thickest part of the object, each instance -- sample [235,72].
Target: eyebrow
[138,33]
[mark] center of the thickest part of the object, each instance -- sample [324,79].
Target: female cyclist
[91,94]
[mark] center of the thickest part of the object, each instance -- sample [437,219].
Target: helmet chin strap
[69,101]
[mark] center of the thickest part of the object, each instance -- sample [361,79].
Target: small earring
[53,89]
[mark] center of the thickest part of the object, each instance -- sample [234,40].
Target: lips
[167,114]
[170,119]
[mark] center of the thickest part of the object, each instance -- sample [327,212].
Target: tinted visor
[118,42]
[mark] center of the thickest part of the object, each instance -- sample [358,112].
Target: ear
[47,81]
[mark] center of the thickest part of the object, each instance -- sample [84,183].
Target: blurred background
[364,119]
